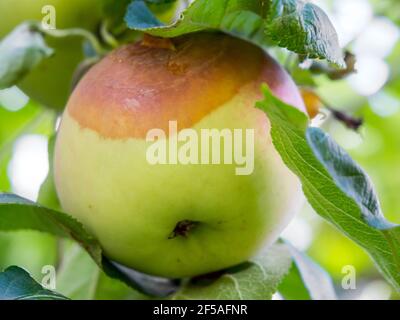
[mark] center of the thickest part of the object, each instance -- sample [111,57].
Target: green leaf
[20,52]
[17,213]
[334,185]
[257,279]
[293,24]
[306,280]
[292,286]
[17,284]
[349,177]
[141,16]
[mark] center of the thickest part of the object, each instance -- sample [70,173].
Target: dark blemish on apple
[183,228]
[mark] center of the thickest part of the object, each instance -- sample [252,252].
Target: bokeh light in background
[369,37]
[384,104]
[29,163]
[376,290]
[372,74]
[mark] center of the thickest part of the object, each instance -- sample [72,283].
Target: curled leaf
[21,51]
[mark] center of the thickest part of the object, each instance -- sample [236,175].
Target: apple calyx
[183,228]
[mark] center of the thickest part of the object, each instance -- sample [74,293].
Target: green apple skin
[50,82]
[132,207]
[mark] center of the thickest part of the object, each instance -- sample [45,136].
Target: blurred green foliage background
[368,28]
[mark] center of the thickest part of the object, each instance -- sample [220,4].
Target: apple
[177,219]
[50,82]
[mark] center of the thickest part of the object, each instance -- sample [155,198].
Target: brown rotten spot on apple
[139,87]
[206,81]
